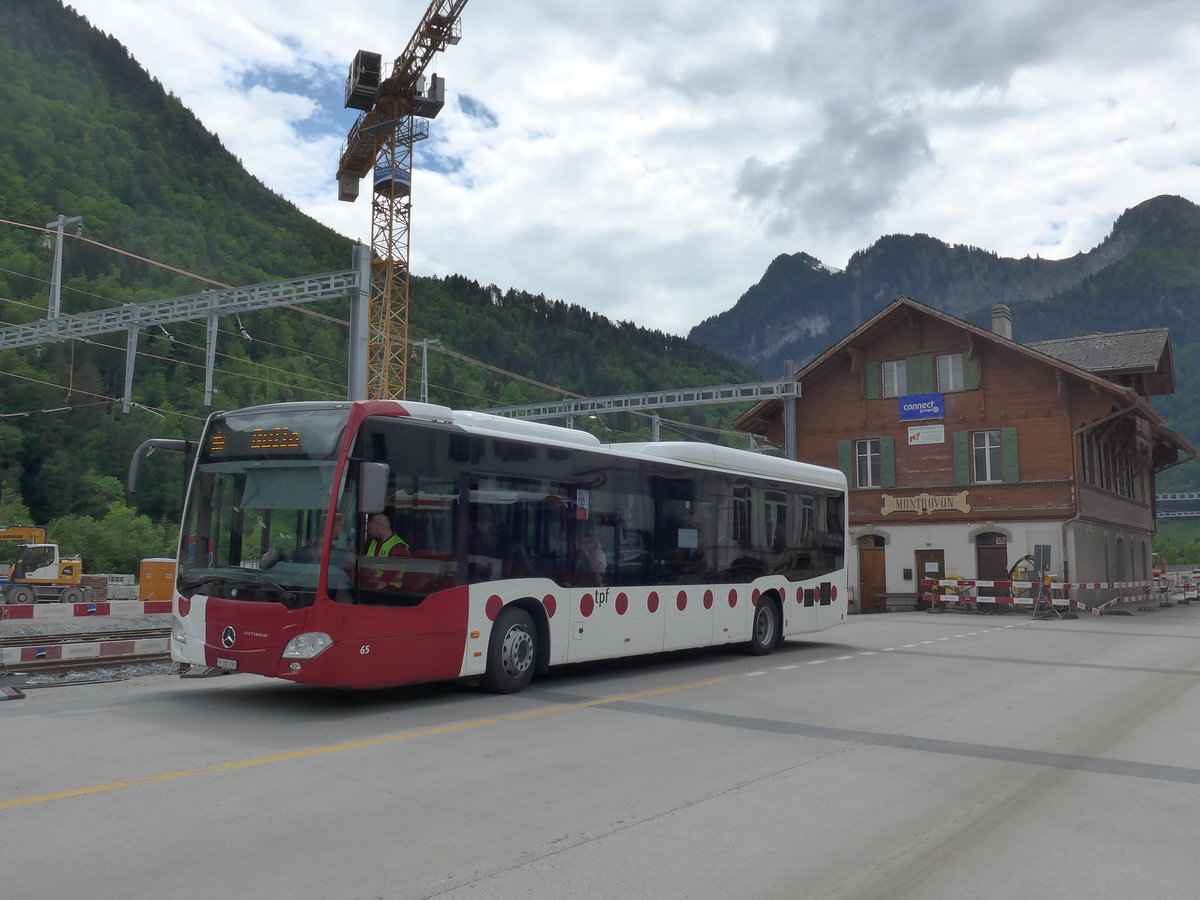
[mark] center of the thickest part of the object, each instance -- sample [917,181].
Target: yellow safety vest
[375,549]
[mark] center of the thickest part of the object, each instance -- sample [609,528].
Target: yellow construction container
[156,579]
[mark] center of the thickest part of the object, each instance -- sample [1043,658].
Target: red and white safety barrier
[124,608]
[14,656]
[965,590]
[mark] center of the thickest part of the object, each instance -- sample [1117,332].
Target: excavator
[41,573]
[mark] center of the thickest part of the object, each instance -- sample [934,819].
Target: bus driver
[381,541]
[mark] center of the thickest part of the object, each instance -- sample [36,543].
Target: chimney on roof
[1002,320]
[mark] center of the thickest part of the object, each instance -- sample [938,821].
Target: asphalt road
[898,756]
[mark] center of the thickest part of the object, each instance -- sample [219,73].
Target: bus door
[615,608]
[681,536]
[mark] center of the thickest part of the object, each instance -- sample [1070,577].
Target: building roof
[1146,352]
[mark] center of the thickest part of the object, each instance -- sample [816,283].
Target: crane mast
[396,109]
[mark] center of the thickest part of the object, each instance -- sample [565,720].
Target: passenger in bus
[592,560]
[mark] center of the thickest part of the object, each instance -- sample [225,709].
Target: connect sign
[921,406]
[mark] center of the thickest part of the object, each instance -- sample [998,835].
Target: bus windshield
[256,516]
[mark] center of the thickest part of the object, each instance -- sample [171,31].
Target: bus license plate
[230,664]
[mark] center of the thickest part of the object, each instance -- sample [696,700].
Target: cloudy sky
[649,159]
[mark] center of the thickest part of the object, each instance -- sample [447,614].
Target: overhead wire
[196,365]
[146,354]
[562,391]
[180,343]
[266,343]
[244,360]
[161,265]
[155,409]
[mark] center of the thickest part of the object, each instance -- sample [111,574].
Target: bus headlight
[307,646]
[178,635]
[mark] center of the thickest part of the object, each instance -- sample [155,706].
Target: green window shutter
[846,460]
[872,375]
[1008,447]
[920,375]
[887,459]
[970,374]
[962,458]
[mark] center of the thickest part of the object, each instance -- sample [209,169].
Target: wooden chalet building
[966,451]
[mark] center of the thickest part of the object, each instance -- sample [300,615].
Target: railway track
[83,637]
[59,666]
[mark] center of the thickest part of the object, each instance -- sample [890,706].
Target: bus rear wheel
[512,651]
[766,632]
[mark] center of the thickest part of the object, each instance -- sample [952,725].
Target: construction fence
[964,594]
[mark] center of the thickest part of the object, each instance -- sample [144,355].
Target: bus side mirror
[143,453]
[372,487]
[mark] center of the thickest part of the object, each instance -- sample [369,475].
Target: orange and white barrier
[963,591]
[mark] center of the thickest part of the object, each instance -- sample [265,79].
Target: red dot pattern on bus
[494,604]
[587,603]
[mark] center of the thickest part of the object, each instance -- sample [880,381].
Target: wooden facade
[966,451]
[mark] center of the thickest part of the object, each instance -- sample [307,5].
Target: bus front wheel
[512,651]
[765,632]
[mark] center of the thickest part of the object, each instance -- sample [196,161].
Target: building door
[931,565]
[872,578]
[991,562]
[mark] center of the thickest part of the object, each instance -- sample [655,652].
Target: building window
[950,372]
[988,456]
[1108,465]
[894,376]
[868,463]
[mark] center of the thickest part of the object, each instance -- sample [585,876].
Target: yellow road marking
[352,745]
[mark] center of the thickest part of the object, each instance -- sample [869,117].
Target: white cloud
[648,160]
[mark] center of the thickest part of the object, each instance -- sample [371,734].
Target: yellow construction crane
[395,113]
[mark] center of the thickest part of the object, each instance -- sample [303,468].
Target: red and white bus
[698,545]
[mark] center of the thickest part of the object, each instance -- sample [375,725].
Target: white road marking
[817,662]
